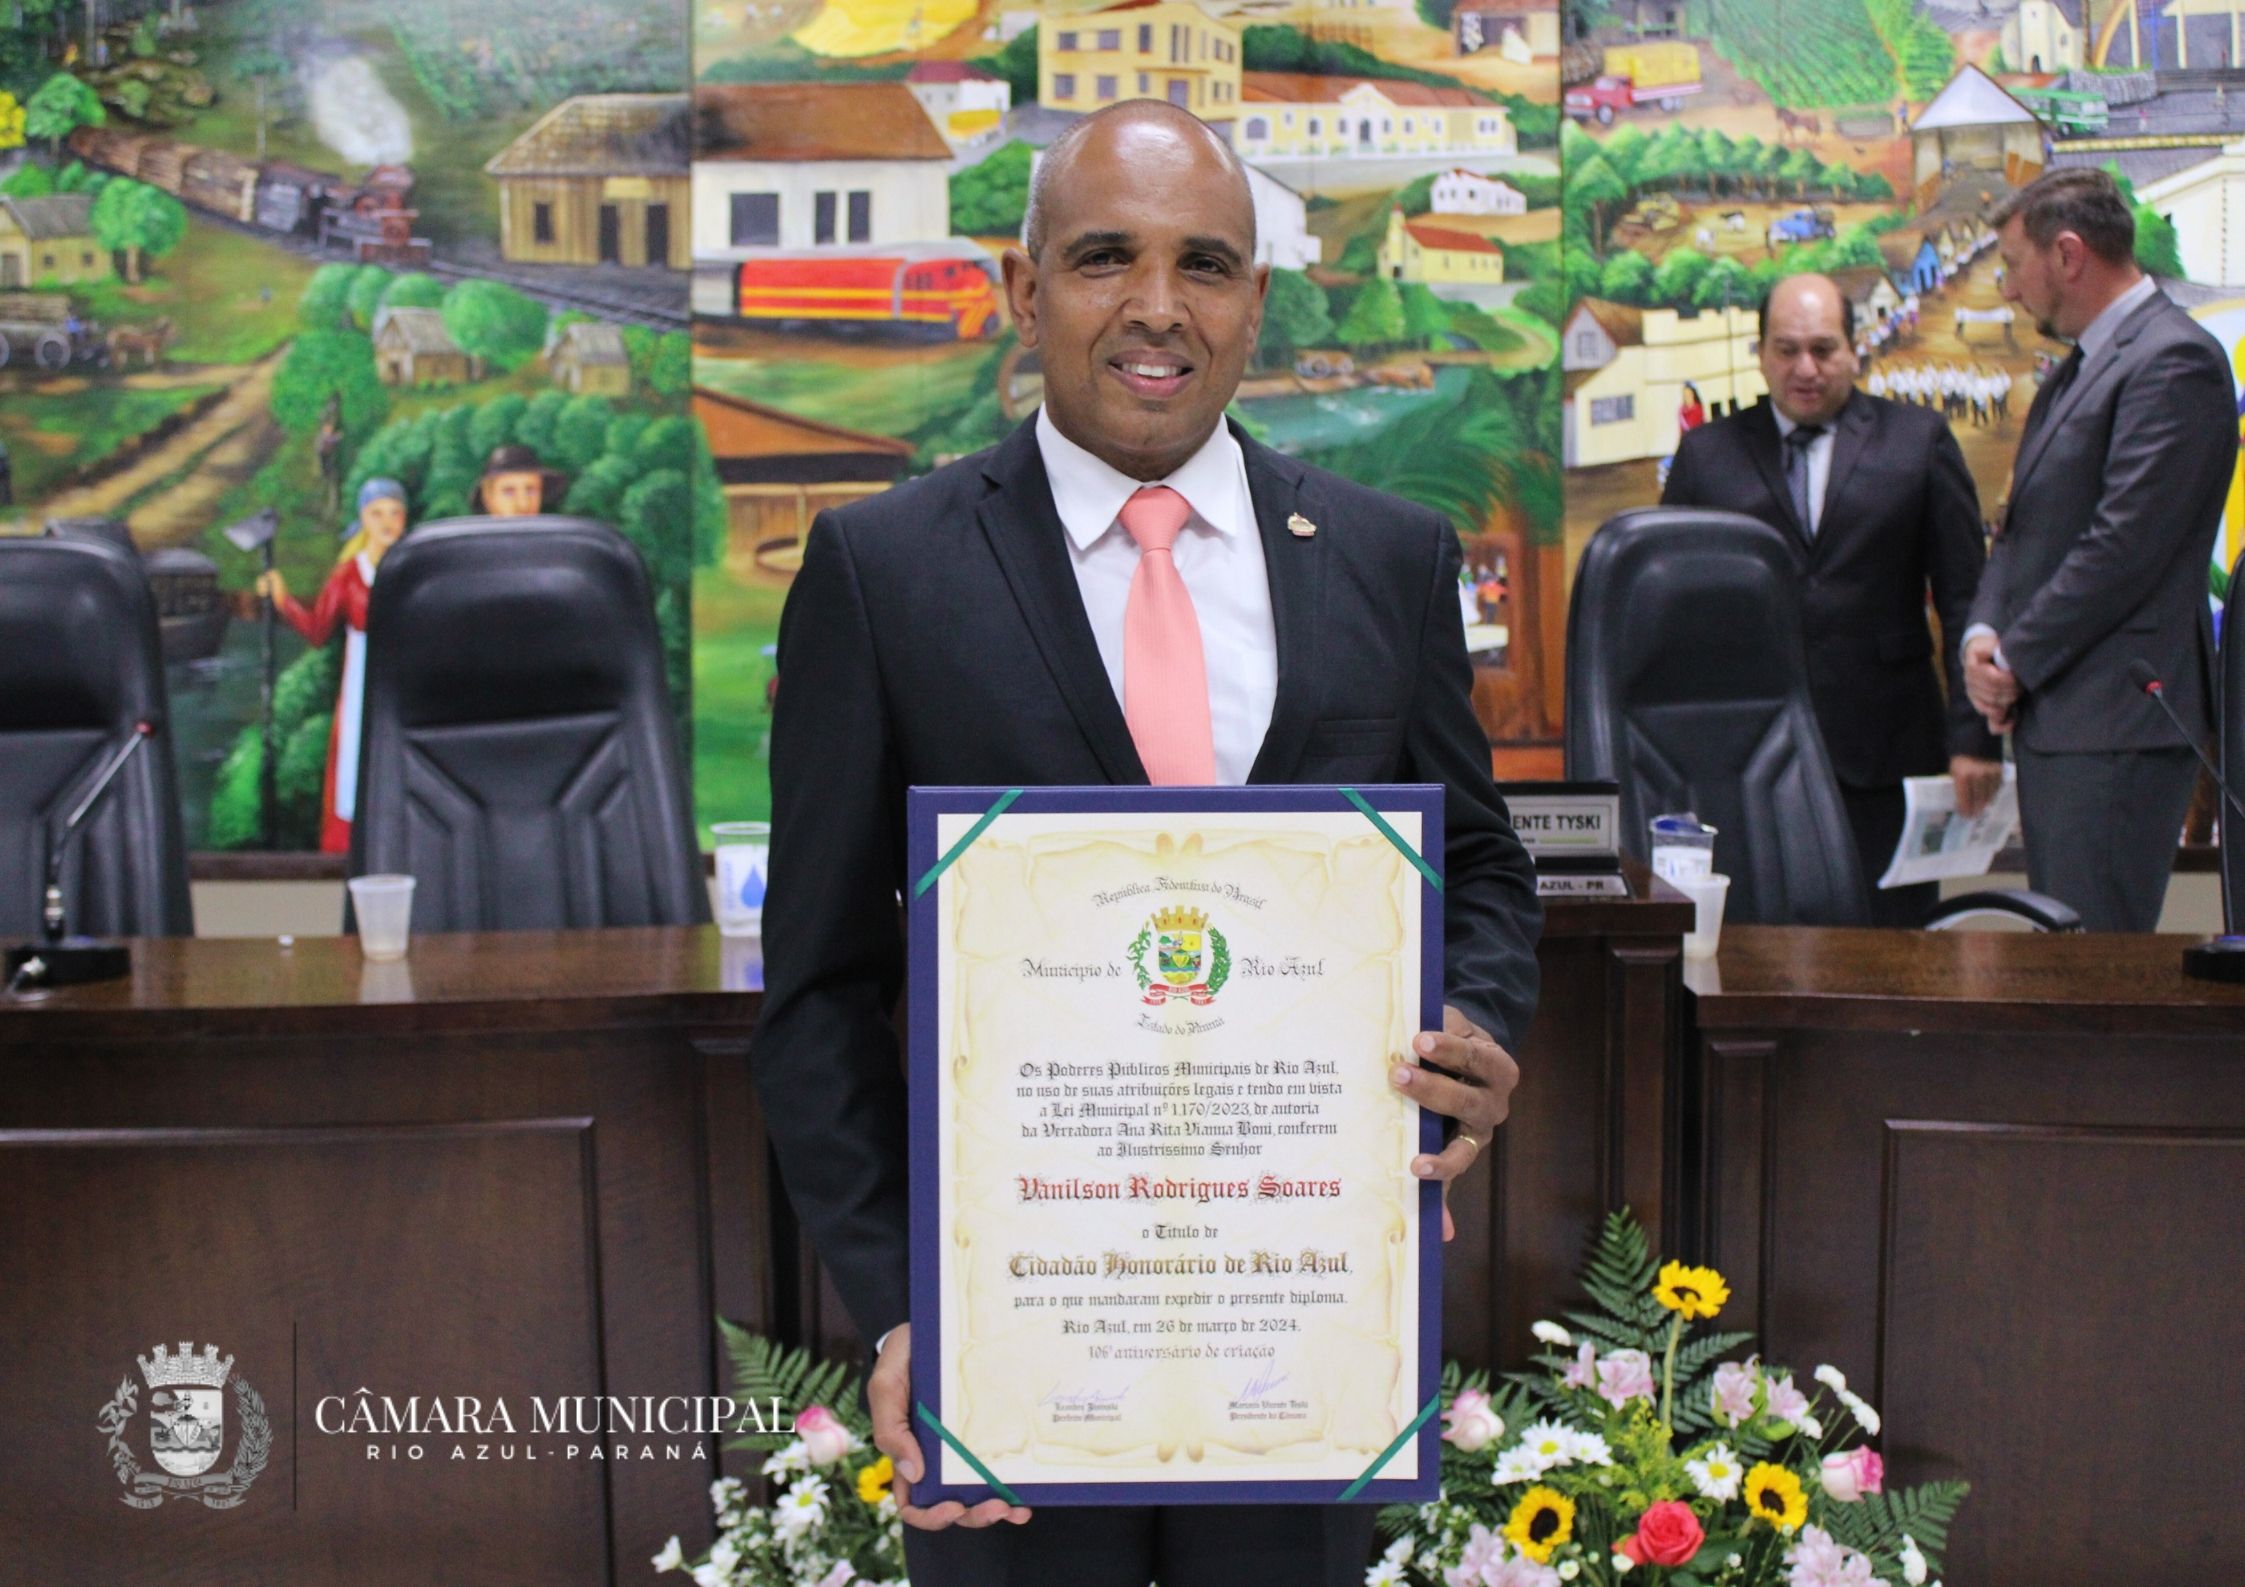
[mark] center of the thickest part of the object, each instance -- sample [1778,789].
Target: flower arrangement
[833,1519]
[1638,1453]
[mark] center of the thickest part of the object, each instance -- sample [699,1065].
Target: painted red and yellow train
[947,289]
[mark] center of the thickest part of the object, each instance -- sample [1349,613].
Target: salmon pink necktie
[1165,676]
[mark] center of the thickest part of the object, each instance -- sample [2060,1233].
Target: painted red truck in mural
[949,290]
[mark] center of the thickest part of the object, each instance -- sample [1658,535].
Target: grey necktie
[1796,474]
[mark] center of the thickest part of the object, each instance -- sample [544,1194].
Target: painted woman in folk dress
[343,599]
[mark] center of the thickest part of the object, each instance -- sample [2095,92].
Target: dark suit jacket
[2115,501]
[1899,513]
[936,636]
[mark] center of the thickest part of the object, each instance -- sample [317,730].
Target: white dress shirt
[1819,465]
[1219,555]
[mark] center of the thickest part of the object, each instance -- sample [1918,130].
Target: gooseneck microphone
[2145,677]
[62,960]
[2217,958]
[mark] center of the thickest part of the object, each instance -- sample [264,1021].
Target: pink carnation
[1625,1375]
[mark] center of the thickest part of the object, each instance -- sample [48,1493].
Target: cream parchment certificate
[1167,1245]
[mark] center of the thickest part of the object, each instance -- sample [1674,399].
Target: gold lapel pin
[1300,527]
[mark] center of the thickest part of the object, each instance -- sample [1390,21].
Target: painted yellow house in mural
[1141,49]
[1624,370]
[1304,115]
[50,239]
[1436,255]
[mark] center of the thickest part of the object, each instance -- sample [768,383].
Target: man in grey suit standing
[2100,556]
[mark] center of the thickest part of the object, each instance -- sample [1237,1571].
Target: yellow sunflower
[873,1481]
[1694,1291]
[1774,1494]
[1542,1520]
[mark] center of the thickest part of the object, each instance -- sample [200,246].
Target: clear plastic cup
[1708,894]
[1682,847]
[384,908]
[744,860]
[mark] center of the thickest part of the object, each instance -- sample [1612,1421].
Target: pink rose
[1851,1473]
[1668,1534]
[1733,1393]
[1473,1422]
[1625,1375]
[825,1439]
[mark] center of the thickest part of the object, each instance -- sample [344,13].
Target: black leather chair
[1687,683]
[519,755]
[81,666]
[2232,697]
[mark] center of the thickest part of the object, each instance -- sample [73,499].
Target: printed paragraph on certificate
[1180,1236]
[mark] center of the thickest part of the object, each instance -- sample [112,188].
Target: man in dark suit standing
[1126,589]
[2101,554]
[1877,496]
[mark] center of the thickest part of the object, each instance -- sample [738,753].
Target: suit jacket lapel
[1295,565]
[2092,369]
[1851,434]
[1768,451]
[1026,535]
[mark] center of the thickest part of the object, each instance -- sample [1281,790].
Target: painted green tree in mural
[1296,314]
[138,221]
[1375,317]
[62,105]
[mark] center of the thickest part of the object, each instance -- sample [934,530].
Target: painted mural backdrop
[254,253]
[861,164]
[1713,146]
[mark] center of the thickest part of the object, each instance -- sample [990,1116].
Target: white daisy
[1552,1334]
[1400,1551]
[1809,1425]
[1588,1449]
[1860,1408]
[724,1556]
[1551,1443]
[1832,1378]
[790,1458]
[1386,1574]
[1517,1464]
[801,1508]
[671,1558]
[1716,1474]
[1913,1562]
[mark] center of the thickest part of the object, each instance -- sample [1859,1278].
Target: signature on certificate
[1102,1397]
[1261,1386]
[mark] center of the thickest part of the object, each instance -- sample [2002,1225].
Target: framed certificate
[1166,1244]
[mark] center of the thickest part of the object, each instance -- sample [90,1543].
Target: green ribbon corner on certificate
[1434,877]
[991,1477]
[1426,1411]
[951,856]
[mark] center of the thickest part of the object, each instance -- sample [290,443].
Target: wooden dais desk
[1999,1180]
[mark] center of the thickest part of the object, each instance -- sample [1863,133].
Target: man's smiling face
[1145,299]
